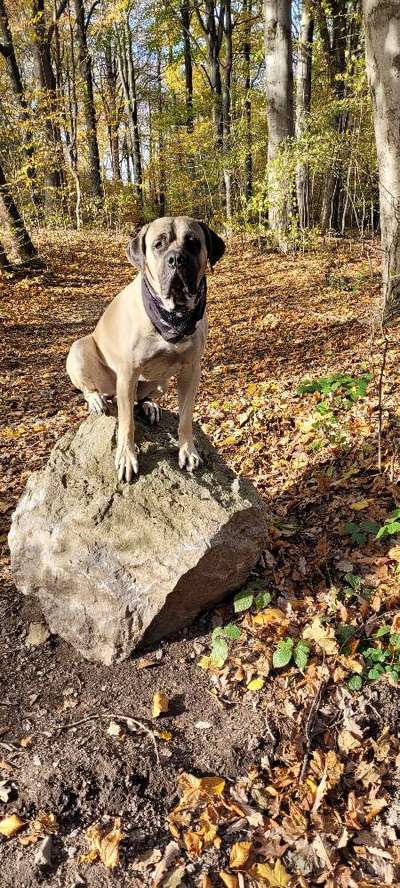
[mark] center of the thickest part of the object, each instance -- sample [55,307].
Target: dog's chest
[167,357]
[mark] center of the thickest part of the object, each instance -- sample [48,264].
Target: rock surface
[115,565]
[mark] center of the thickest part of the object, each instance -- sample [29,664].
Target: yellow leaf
[160,704]
[255,684]
[323,636]
[276,877]
[104,845]
[228,879]
[394,553]
[360,505]
[204,662]
[163,735]
[10,825]
[193,843]
[239,854]
[269,615]
[228,442]
[214,785]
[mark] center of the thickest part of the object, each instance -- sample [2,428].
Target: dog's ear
[215,244]
[136,249]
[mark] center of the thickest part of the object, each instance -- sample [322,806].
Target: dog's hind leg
[147,391]
[88,373]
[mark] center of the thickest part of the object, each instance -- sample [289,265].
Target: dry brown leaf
[38,633]
[323,636]
[26,741]
[347,742]
[104,845]
[239,854]
[10,825]
[45,824]
[160,704]
[228,879]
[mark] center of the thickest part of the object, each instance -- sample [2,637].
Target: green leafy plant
[219,642]
[359,532]
[381,658]
[353,387]
[286,650]
[253,594]
[391,525]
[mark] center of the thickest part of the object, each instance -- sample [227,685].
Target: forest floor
[296,717]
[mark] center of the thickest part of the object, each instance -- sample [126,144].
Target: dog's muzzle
[179,278]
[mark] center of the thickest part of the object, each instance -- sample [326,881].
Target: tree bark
[187,55]
[303,105]
[5,263]
[279,91]
[128,81]
[247,10]
[8,51]
[20,238]
[226,110]
[89,113]
[382,45]
[213,28]
[161,194]
[112,115]
[53,176]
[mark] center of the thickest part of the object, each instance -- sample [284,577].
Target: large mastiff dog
[154,329]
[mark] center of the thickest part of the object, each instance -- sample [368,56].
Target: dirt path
[273,321]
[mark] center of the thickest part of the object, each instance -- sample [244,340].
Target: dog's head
[173,252]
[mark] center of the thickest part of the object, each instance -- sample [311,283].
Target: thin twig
[126,718]
[309,727]
[380,405]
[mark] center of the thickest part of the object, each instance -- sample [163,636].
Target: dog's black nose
[175,259]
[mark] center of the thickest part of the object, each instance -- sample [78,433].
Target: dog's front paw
[96,402]
[188,457]
[126,462]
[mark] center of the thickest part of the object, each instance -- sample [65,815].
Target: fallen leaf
[38,633]
[228,879]
[255,684]
[163,735]
[360,505]
[276,877]
[239,854]
[10,825]
[160,704]
[323,636]
[347,742]
[104,845]
[26,741]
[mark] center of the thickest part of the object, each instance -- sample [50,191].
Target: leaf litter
[289,398]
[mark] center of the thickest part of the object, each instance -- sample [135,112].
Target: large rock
[114,565]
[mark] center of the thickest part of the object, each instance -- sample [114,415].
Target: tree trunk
[279,91]
[382,44]
[7,50]
[303,105]
[187,55]
[226,110]
[112,115]
[21,241]
[5,264]
[247,11]
[128,80]
[89,114]
[161,202]
[53,176]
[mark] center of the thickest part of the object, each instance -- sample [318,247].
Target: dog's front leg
[188,383]
[126,460]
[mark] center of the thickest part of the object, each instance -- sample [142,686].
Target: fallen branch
[309,727]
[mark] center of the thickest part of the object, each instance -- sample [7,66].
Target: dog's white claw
[152,411]
[127,463]
[188,457]
[96,403]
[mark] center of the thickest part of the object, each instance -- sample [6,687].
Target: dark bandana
[173,325]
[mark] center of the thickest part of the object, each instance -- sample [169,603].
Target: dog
[154,329]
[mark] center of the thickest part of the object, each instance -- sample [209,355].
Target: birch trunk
[279,92]
[303,105]
[382,45]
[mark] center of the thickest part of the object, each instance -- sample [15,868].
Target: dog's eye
[193,242]
[158,243]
